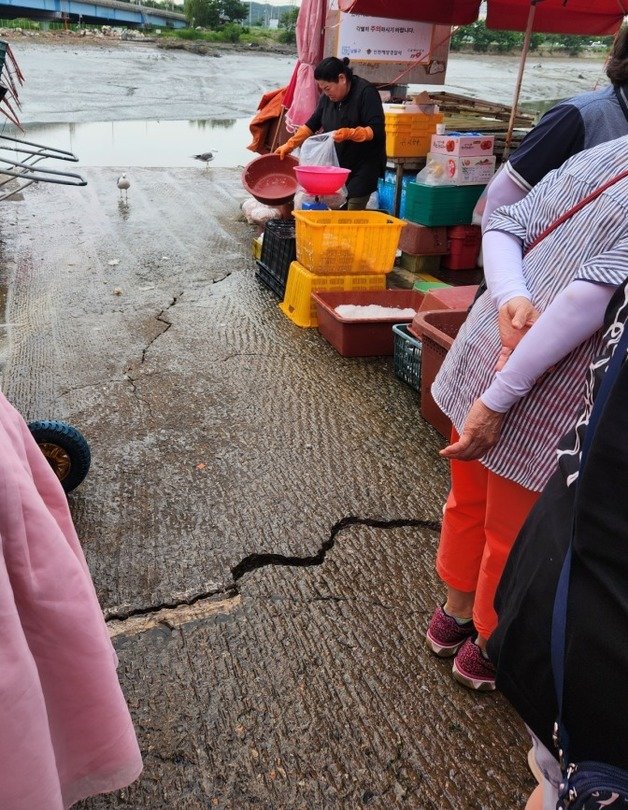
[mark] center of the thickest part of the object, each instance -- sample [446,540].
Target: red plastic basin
[270,179]
[437,331]
[321,179]
[362,338]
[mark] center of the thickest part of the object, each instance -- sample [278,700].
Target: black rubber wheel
[65,449]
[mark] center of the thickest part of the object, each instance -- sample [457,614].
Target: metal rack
[27,169]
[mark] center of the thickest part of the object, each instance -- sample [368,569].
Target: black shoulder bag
[585,785]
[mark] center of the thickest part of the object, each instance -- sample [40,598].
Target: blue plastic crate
[386,191]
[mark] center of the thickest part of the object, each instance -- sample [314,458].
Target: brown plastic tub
[362,338]
[437,331]
[270,179]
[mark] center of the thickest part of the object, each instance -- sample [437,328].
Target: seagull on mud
[123,184]
[206,157]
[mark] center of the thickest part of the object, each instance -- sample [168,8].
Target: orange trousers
[482,518]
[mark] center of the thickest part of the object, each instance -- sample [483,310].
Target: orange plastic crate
[412,121]
[407,144]
[410,134]
[298,304]
[347,242]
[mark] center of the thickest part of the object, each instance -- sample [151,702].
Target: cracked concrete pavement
[260,517]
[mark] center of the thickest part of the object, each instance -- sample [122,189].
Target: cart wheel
[66,450]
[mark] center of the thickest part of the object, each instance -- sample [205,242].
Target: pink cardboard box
[469,144]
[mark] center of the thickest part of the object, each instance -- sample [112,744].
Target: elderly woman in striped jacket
[512,381]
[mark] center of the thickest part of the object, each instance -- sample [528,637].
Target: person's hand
[342,134]
[283,150]
[481,431]
[514,319]
[302,134]
[356,134]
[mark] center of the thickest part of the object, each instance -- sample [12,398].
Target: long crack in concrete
[161,319]
[127,374]
[224,600]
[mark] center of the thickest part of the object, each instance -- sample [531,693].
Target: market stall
[332,268]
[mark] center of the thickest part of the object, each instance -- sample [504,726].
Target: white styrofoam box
[464,171]
[458,144]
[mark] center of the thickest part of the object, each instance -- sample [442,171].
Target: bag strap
[559,615]
[574,210]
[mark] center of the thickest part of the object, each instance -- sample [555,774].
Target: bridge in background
[103,12]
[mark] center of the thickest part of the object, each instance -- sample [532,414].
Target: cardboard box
[465,171]
[423,62]
[469,144]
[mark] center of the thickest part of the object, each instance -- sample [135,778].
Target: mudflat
[71,79]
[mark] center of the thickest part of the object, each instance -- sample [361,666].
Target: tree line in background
[215,14]
[226,21]
[480,39]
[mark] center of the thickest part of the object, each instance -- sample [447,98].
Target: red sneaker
[445,636]
[472,669]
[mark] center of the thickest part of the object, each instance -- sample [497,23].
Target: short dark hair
[617,65]
[331,68]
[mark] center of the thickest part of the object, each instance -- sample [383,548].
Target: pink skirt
[65,730]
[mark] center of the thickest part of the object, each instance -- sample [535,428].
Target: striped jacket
[591,246]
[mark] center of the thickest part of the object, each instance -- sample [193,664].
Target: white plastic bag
[319,150]
[434,174]
[373,203]
[256,213]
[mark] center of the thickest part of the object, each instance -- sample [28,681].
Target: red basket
[463,243]
[437,330]
[362,338]
[421,240]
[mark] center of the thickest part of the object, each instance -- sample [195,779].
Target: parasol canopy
[599,18]
[445,12]
[584,17]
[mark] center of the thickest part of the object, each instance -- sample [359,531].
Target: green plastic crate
[426,286]
[441,205]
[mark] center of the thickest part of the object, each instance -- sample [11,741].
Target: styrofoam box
[470,144]
[465,171]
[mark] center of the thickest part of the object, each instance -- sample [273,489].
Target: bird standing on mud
[123,184]
[206,157]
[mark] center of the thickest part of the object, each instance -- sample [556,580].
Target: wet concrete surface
[259,519]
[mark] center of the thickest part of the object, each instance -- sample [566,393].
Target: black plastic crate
[407,350]
[278,253]
[267,278]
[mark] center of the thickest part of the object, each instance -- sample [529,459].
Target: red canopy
[598,17]
[446,12]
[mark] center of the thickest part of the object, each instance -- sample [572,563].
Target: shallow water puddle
[148,143]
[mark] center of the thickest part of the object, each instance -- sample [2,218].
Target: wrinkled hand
[514,319]
[283,150]
[481,431]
